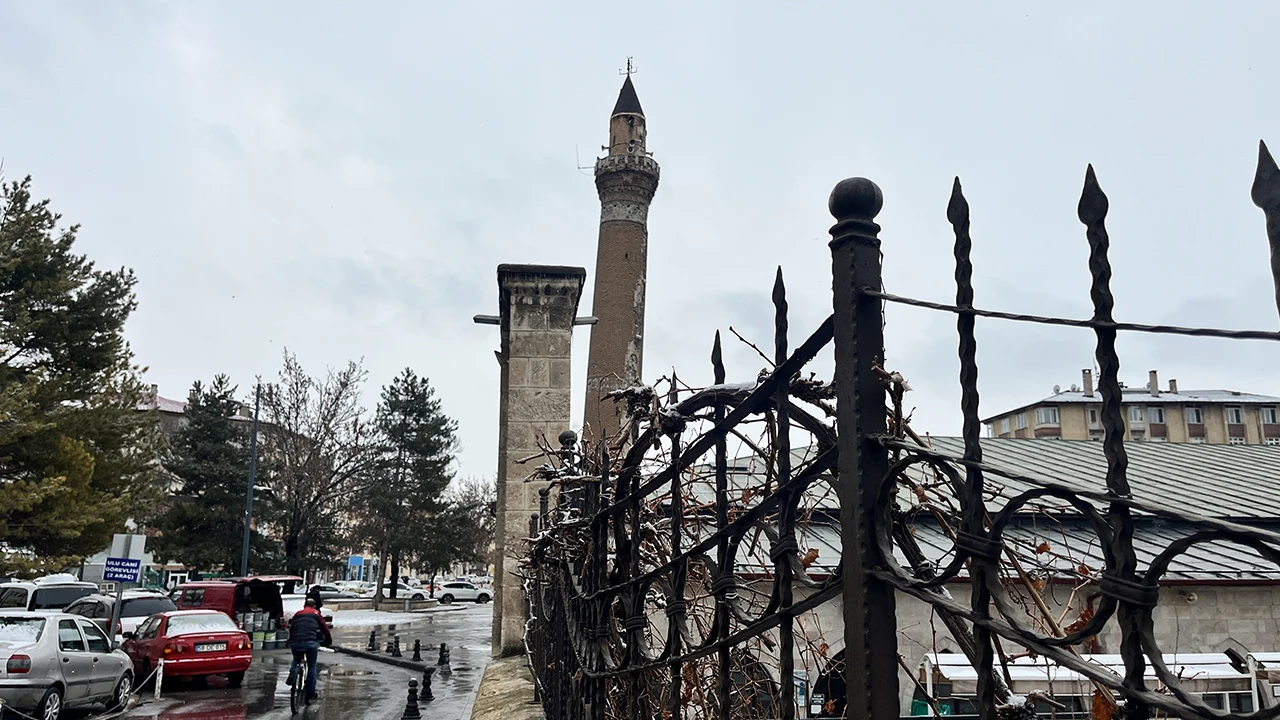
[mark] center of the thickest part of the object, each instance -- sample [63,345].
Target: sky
[342,179]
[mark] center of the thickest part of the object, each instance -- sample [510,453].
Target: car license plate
[211,647]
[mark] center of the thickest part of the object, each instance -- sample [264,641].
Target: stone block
[535,404]
[539,372]
[518,371]
[529,317]
[548,344]
[561,373]
[561,317]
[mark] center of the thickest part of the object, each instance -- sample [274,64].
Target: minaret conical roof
[627,100]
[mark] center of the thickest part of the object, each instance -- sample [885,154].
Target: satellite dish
[1057,389]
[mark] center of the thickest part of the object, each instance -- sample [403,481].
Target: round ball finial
[568,438]
[855,197]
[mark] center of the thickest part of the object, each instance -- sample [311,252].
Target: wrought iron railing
[649,590]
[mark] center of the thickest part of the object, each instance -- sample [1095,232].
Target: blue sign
[355,561]
[123,570]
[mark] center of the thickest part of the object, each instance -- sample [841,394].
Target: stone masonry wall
[538,304]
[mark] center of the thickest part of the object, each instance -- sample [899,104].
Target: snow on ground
[369,618]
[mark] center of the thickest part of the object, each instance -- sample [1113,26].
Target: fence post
[870,625]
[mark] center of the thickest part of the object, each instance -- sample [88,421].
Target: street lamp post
[253,472]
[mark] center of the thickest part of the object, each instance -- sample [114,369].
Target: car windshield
[195,624]
[142,607]
[19,629]
[56,598]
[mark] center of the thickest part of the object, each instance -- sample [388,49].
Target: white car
[405,592]
[451,591]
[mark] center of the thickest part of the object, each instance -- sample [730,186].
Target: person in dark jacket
[314,594]
[307,632]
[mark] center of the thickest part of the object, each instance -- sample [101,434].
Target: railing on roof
[605,569]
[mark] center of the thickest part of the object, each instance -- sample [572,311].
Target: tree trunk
[377,590]
[395,574]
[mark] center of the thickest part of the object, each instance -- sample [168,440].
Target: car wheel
[235,679]
[446,599]
[481,599]
[50,707]
[124,689]
[417,596]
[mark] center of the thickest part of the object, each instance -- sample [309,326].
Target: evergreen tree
[76,456]
[202,525]
[418,446]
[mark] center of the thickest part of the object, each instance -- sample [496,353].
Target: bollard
[417,650]
[443,664]
[395,649]
[426,683]
[373,641]
[159,678]
[411,706]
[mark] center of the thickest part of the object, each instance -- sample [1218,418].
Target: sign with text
[124,570]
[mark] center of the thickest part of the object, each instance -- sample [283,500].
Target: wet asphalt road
[350,688]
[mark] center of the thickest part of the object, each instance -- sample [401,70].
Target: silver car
[52,661]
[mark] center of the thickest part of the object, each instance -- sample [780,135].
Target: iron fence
[649,594]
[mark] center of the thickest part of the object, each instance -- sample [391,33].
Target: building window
[1197,441]
[1235,416]
[1047,416]
[1138,436]
[1156,414]
[1235,441]
[1153,438]
[1004,425]
[1194,416]
[1135,413]
[1022,420]
[1095,436]
[1273,441]
[1051,437]
[1093,416]
[1270,416]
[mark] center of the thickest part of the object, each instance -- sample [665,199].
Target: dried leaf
[1042,548]
[823,648]
[1038,584]
[1085,569]
[1103,707]
[809,558]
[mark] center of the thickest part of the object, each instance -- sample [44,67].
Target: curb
[398,662]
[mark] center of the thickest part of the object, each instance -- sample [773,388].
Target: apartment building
[1218,417]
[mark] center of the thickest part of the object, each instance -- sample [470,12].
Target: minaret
[626,179]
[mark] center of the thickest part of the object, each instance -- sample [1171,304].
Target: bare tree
[321,446]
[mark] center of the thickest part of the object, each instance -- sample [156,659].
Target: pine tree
[202,524]
[418,446]
[76,456]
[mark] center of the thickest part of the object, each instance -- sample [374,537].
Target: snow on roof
[956,667]
[164,405]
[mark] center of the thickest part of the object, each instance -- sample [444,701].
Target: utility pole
[253,472]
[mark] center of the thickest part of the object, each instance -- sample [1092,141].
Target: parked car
[331,592]
[451,591]
[54,661]
[239,595]
[293,603]
[193,643]
[48,594]
[405,592]
[136,606]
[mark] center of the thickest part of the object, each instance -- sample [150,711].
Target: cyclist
[307,632]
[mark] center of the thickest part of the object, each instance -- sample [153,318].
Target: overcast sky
[342,179]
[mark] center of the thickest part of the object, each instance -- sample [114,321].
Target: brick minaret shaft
[626,179]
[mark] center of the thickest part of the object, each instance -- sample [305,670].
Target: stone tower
[626,178]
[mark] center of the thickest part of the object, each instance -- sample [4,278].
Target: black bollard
[411,706]
[373,642]
[417,650]
[426,683]
[443,664]
[395,649]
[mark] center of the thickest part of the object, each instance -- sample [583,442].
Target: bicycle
[298,693]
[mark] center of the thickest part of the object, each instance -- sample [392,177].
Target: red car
[193,643]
